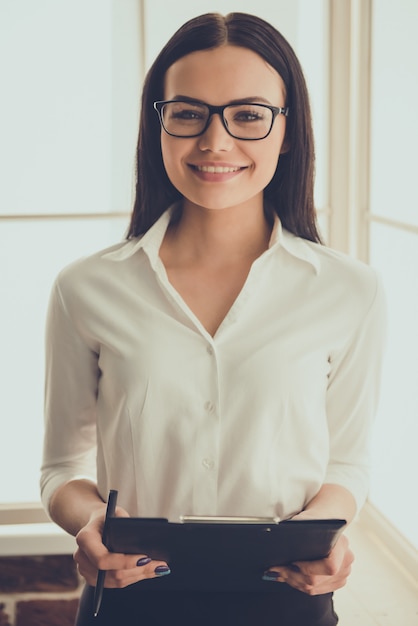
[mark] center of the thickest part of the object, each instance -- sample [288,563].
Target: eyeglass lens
[245,121]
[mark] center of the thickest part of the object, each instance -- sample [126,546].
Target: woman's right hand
[121,569]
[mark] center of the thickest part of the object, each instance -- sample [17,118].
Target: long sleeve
[70,402]
[352,399]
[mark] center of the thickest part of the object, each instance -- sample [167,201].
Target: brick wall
[38,591]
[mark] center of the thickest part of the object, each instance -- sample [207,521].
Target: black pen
[101,574]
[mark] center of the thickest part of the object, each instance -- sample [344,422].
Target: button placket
[205,491]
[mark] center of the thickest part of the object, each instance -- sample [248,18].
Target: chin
[217,202]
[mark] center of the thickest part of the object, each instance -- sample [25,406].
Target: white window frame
[350,126]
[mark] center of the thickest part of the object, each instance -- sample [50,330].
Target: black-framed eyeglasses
[243,120]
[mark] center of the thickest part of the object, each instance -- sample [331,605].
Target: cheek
[176,171]
[266,162]
[173,153]
[268,154]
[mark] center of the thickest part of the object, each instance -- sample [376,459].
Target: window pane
[394,120]
[69,105]
[31,255]
[395,462]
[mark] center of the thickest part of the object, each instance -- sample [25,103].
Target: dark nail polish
[271,575]
[162,570]
[144,561]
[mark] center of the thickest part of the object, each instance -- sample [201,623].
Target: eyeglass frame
[213,110]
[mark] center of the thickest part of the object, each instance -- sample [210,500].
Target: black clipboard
[221,556]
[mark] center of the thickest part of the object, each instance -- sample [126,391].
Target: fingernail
[271,575]
[294,567]
[162,570]
[144,561]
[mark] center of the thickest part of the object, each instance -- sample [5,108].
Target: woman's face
[242,168]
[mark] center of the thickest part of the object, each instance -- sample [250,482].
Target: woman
[221,359]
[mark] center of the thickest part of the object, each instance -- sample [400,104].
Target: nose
[216,138]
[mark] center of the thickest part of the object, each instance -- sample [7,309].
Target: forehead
[222,74]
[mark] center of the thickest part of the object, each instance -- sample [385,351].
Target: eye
[181,111]
[247,114]
[186,114]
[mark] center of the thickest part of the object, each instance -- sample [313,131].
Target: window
[394,251]
[71,74]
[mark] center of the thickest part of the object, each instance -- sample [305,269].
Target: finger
[153,569]
[90,544]
[123,578]
[142,568]
[89,539]
[314,584]
[297,580]
[85,568]
[319,585]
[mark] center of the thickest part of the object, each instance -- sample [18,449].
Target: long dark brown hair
[290,192]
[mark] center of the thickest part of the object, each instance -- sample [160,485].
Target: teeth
[212,169]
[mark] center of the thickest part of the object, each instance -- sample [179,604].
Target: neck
[221,234]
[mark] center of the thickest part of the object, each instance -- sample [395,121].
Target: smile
[218,169]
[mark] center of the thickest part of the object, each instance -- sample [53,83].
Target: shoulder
[351,284]
[99,271]
[335,257]
[348,296]
[335,265]
[339,281]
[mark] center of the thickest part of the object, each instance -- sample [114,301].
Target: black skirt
[134,606]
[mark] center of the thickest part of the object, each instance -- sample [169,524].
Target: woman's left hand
[317,577]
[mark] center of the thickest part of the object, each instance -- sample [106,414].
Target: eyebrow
[250,99]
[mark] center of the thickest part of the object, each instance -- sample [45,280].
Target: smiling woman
[220,361]
[227,73]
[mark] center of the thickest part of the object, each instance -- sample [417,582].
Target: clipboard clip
[227,519]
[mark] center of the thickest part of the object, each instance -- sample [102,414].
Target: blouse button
[208,463]
[209,350]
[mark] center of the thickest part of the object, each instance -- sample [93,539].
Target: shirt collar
[295,246]
[151,241]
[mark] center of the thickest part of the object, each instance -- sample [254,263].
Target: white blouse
[252,421]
